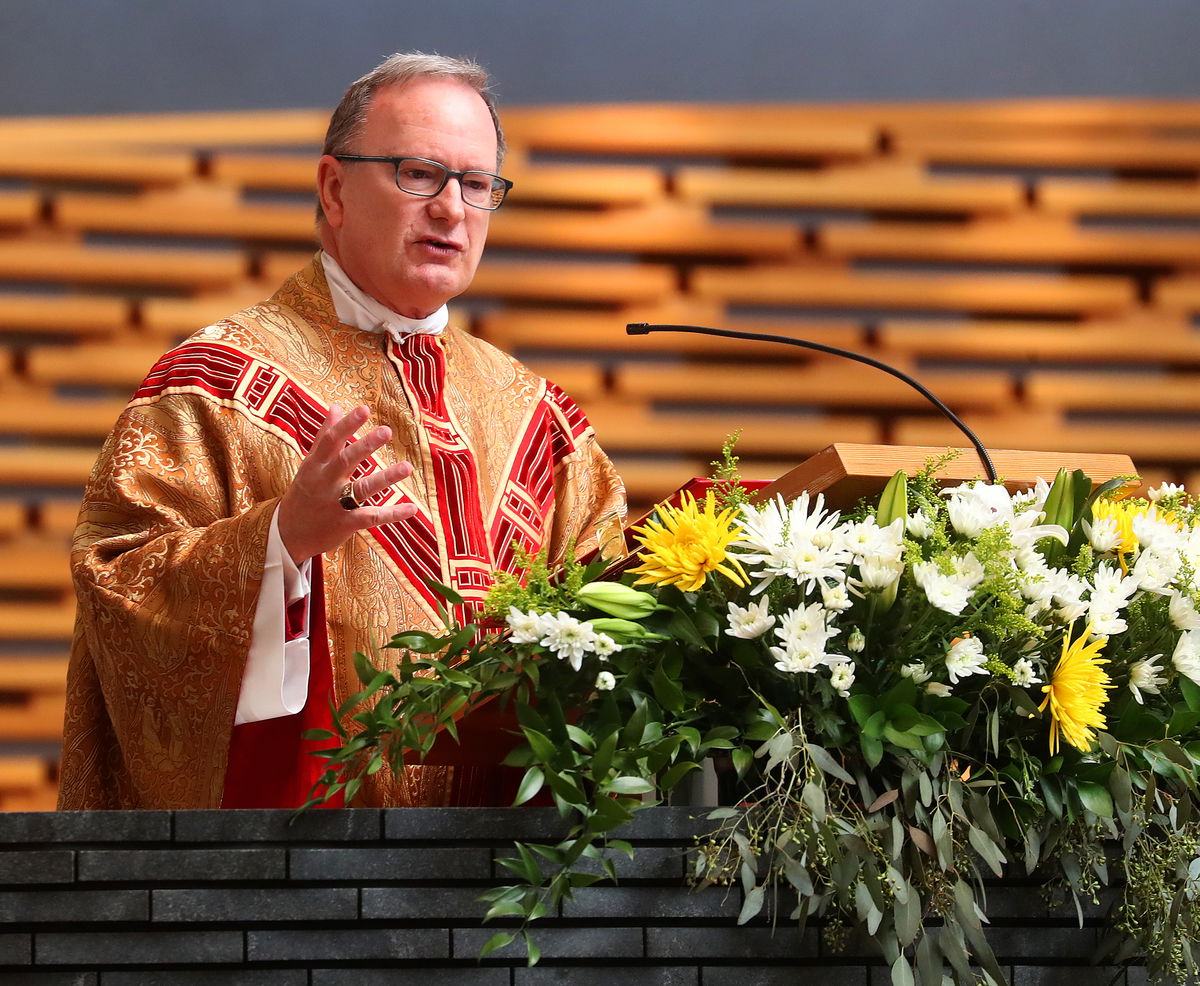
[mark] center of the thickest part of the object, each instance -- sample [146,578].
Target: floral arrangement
[937,687]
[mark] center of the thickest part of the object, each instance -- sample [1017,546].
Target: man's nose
[449,201]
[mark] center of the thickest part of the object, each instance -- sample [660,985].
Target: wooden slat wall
[1036,264]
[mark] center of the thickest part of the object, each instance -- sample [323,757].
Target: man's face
[413,254]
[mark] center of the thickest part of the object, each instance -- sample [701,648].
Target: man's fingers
[367,486]
[351,455]
[367,517]
[336,430]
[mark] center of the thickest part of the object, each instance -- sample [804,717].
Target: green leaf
[905,740]
[499,940]
[822,759]
[531,783]
[1095,798]
[752,905]
[1190,692]
[603,757]
[987,849]
[872,750]
[902,974]
[446,593]
[667,692]
[929,961]
[630,785]
[862,706]
[543,748]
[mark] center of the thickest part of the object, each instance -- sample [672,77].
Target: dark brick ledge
[364,897]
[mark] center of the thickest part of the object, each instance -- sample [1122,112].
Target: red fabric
[270,763]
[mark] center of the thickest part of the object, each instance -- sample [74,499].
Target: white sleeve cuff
[275,680]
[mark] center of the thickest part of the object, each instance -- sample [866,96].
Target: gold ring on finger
[347,498]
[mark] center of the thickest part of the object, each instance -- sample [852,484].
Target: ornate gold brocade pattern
[169,551]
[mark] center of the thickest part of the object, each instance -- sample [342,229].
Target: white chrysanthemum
[945,592]
[841,677]
[750,622]
[867,539]
[603,645]
[1156,493]
[1033,499]
[918,672]
[797,660]
[938,688]
[1105,620]
[605,681]
[965,657]
[1110,586]
[1023,673]
[918,525]
[1144,677]
[808,624]
[969,570]
[567,638]
[524,628]
[836,597]
[1068,597]
[1186,659]
[1156,571]
[1155,533]
[856,642]
[1182,611]
[878,573]
[1103,534]
[773,534]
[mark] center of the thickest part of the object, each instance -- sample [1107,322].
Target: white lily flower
[975,507]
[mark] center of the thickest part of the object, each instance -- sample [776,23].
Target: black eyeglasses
[420,176]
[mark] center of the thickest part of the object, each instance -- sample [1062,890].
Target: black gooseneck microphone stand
[643,328]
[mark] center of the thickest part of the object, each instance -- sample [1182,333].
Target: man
[237,541]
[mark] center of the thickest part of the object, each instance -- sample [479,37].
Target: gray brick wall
[364,897]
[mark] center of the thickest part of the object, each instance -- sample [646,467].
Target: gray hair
[346,124]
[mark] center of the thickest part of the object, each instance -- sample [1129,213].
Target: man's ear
[329,189]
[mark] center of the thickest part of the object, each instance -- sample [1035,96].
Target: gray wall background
[114,56]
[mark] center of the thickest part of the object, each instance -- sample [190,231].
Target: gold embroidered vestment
[169,552]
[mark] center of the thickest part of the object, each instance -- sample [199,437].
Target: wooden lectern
[845,473]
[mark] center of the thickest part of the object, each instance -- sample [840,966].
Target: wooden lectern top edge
[845,472]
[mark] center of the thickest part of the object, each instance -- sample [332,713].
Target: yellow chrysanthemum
[1077,692]
[687,542]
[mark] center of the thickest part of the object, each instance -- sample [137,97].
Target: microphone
[643,328]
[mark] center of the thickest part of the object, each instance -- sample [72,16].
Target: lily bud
[617,600]
[622,629]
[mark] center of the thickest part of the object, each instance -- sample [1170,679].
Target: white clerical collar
[355,307]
